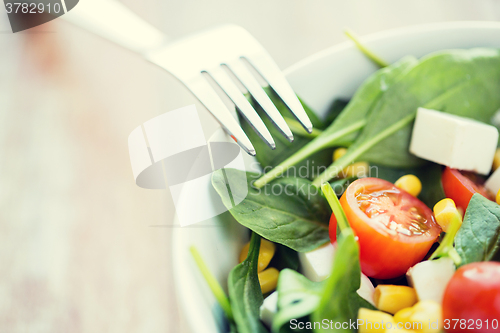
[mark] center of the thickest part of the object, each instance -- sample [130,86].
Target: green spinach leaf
[297,297]
[346,127]
[244,291]
[365,98]
[289,212]
[462,82]
[478,239]
[340,302]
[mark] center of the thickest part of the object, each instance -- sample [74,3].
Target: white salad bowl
[319,79]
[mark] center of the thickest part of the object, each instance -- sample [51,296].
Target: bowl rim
[385,34]
[196,326]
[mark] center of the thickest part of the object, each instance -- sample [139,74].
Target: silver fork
[206,52]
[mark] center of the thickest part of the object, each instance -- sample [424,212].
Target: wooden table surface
[78,252]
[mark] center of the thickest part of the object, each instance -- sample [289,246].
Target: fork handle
[115,22]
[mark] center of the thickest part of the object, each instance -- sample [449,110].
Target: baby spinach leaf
[479,236]
[347,125]
[365,99]
[352,155]
[289,212]
[339,301]
[245,293]
[461,82]
[297,297]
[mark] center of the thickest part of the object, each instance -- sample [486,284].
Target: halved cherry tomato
[395,230]
[460,186]
[471,300]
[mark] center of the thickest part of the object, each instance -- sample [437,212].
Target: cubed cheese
[269,308]
[430,278]
[317,265]
[493,183]
[454,141]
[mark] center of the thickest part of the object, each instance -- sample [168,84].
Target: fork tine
[243,105]
[268,69]
[254,88]
[200,87]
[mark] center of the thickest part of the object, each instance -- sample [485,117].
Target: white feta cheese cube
[493,183]
[269,308]
[430,278]
[317,264]
[454,141]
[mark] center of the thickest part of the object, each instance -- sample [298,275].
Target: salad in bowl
[384,218]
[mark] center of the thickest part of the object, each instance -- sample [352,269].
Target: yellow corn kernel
[496,159]
[358,170]
[266,253]
[444,212]
[424,317]
[498,197]
[404,315]
[268,280]
[373,321]
[409,183]
[391,298]
[338,153]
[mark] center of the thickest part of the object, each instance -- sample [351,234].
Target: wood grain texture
[77,250]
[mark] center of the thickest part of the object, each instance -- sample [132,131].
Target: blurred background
[82,248]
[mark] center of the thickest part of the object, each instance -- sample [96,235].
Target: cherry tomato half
[395,230]
[460,186]
[473,297]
